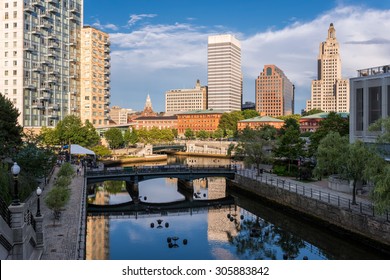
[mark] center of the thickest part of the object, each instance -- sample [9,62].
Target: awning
[79,150]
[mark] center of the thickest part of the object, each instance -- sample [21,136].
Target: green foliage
[189,133]
[248,114]
[290,145]
[66,170]
[254,145]
[334,122]
[155,135]
[279,170]
[296,117]
[130,137]
[218,134]
[311,112]
[202,134]
[229,121]
[331,154]
[287,123]
[35,161]
[5,183]
[114,138]
[71,130]
[381,192]
[10,130]
[101,151]
[59,194]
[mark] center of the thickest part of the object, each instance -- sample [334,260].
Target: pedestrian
[78,171]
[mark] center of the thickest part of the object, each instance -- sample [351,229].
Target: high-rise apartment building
[224,73]
[329,92]
[182,100]
[274,92]
[95,76]
[39,51]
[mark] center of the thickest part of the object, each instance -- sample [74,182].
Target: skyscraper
[274,92]
[95,76]
[224,73]
[39,58]
[329,92]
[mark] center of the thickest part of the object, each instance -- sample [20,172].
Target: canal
[243,229]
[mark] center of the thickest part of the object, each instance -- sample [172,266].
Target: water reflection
[246,229]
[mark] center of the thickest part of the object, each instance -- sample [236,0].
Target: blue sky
[158,45]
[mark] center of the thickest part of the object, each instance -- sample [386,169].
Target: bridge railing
[160,169]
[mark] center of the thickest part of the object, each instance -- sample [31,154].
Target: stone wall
[370,230]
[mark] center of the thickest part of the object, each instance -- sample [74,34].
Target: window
[359,109]
[374,104]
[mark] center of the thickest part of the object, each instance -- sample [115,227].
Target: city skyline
[162,45]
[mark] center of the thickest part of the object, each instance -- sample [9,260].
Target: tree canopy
[10,130]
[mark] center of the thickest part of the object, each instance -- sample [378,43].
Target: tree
[229,121]
[189,133]
[290,145]
[10,130]
[248,114]
[333,122]
[101,151]
[355,164]
[202,134]
[311,112]
[91,137]
[114,137]
[218,134]
[330,154]
[254,145]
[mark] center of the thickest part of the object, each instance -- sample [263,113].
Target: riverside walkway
[61,239]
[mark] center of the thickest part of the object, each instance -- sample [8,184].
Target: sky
[159,45]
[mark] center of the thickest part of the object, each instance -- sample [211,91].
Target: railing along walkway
[334,198]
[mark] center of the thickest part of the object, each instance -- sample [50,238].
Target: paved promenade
[61,237]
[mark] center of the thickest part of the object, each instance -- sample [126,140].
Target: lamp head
[15,169]
[39,191]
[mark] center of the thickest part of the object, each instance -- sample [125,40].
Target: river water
[244,229]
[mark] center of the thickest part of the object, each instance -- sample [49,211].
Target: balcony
[29,48]
[36,3]
[107,102]
[107,95]
[29,9]
[45,89]
[46,62]
[37,69]
[74,108]
[54,107]
[72,43]
[54,2]
[72,60]
[73,76]
[44,97]
[52,38]
[53,10]
[54,73]
[107,58]
[107,65]
[52,115]
[37,105]
[74,18]
[45,16]
[107,50]
[107,43]
[53,46]
[73,92]
[107,87]
[45,26]
[35,31]
[29,86]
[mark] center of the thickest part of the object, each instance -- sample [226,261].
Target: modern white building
[224,73]
[183,100]
[39,58]
[329,92]
[370,101]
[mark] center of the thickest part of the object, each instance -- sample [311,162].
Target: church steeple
[148,104]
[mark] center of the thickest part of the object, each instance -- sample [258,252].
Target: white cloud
[135,18]
[108,26]
[156,58]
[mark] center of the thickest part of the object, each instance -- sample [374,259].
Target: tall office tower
[274,93]
[329,92]
[95,76]
[181,100]
[39,51]
[224,73]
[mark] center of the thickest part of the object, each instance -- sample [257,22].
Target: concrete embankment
[372,231]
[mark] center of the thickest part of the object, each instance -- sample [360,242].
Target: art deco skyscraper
[95,76]
[329,92]
[39,58]
[224,73]
[274,93]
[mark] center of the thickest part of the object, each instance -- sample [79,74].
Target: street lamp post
[15,169]
[39,192]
